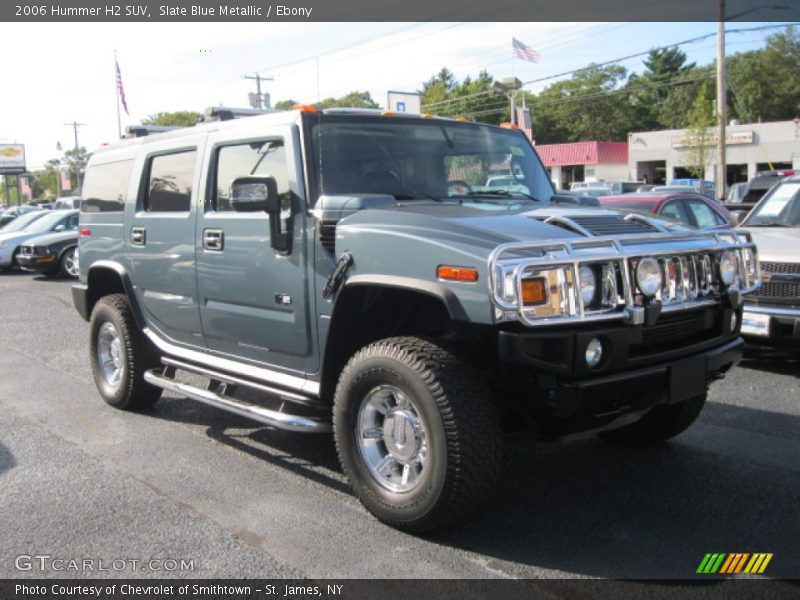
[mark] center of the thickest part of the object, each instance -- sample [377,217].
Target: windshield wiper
[771,224]
[504,193]
[415,195]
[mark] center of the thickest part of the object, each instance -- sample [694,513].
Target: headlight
[648,276]
[594,353]
[728,265]
[588,285]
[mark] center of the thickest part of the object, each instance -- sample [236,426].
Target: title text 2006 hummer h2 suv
[357,269]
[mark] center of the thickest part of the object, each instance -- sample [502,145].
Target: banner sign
[12,159]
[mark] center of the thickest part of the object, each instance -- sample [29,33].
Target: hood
[477,231]
[54,238]
[776,244]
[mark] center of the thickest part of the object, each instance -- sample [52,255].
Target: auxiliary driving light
[727,267]
[648,276]
[588,285]
[594,352]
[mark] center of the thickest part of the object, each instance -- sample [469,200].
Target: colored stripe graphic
[733,563]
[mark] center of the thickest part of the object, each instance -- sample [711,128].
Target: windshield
[46,222]
[23,220]
[419,158]
[780,207]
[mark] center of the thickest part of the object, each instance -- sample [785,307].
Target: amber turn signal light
[457,273]
[305,108]
[534,291]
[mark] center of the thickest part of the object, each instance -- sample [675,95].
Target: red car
[693,209]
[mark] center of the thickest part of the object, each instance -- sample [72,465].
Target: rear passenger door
[160,237]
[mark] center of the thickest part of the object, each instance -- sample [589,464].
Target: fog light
[734,322]
[594,352]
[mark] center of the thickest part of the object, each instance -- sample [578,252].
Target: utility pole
[75,126]
[722,103]
[257,99]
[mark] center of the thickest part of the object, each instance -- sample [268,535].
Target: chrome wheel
[109,354]
[391,436]
[71,263]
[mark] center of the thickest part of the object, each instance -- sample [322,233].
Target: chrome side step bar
[267,416]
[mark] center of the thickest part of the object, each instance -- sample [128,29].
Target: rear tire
[659,425]
[120,355]
[416,433]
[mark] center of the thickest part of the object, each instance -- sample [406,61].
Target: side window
[105,186]
[704,215]
[72,222]
[169,182]
[254,158]
[675,209]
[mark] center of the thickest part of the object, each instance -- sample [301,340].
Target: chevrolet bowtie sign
[12,159]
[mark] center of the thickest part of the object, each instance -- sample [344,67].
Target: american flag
[523,119]
[120,89]
[520,50]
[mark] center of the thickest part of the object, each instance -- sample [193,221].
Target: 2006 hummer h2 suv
[362,273]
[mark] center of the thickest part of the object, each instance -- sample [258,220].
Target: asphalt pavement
[231,498]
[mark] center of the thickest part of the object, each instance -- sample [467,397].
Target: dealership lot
[81,481]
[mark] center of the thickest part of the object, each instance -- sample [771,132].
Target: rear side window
[169,182]
[676,210]
[704,215]
[105,186]
[254,158]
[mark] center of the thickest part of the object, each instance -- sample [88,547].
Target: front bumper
[561,395]
[40,264]
[771,325]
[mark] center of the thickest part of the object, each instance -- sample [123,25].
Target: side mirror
[255,194]
[736,217]
[59,227]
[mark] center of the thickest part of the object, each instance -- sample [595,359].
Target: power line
[609,62]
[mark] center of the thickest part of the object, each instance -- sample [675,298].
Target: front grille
[788,290]
[613,225]
[26,251]
[780,267]
[674,331]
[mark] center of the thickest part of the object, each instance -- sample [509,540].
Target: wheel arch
[369,309]
[108,277]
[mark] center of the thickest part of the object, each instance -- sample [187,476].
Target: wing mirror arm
[256,194]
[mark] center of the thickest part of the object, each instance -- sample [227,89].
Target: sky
[54,74]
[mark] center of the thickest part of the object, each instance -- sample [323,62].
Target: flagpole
[116,90]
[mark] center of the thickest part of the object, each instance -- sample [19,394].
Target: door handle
[138,236]
[213,239]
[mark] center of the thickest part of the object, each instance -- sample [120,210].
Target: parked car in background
[701,186]
[68,202]
[687,207]
[22,220]
[15,211]
[49,221]
[771,315]
[737,193]
[625,187]
[51,254]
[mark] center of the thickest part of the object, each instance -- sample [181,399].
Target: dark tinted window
[105,186]
[676,210]
[255,158]
[169,182]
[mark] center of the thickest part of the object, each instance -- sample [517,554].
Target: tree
[182,118]
[353,99]
[700,139]
[674,112]
[649,91]
[285,104]
[591,105]
[765,84]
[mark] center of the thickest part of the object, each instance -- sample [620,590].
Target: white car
[772,314]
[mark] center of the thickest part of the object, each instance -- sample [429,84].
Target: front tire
[659,425]
[120,355]
[417,433]
[68,265]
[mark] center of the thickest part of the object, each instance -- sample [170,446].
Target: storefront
[660,156]
[584,161]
